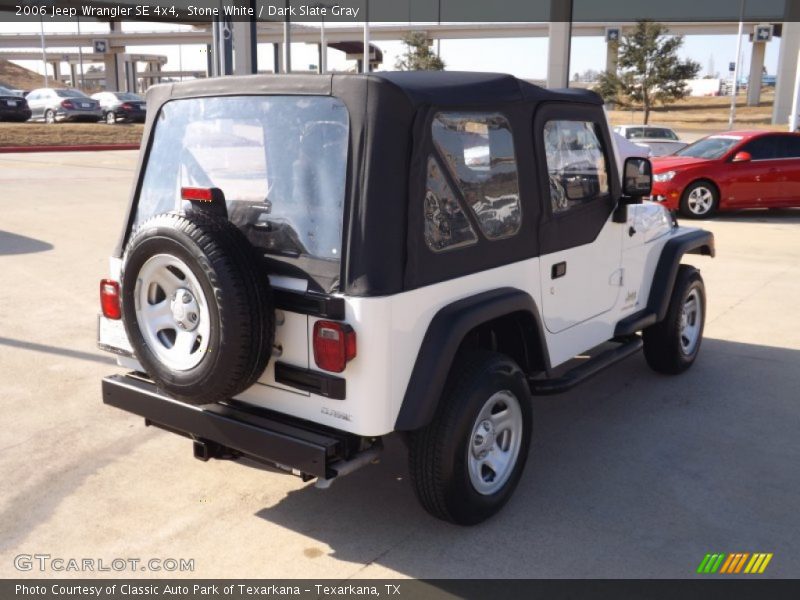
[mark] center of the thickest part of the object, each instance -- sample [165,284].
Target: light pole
[287,41]
[439,22]
[365,66]
[80,56]
[793,118]
[44,53]
[732,116]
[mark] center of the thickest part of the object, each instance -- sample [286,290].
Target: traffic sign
[763,33]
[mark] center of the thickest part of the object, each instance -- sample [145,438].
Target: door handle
[558,270]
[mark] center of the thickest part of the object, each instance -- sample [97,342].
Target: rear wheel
[197,307]
[49,116]
[700,200]
[467,462]
[672,345]
[111,118]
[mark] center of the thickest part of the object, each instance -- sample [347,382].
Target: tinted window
[763,148]
[446,225]
[659,133]
[125,97]
[478,150]
[710,147]
[576,164]
[789,146]
[280,161]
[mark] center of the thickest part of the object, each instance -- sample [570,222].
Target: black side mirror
[638,178]
[637,182]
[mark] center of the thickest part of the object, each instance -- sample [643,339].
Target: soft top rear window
[280,161]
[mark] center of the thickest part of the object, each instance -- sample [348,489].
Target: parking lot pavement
[633,475]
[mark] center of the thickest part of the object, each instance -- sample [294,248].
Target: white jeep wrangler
[310,263]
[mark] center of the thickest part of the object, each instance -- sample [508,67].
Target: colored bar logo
[736,562]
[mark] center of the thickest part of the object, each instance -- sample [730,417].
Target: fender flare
[698,241]
[442,339]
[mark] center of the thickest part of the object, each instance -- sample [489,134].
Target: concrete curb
[83,148]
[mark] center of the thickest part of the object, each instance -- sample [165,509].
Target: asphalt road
[633,475]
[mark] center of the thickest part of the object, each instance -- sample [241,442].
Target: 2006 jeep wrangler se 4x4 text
[312,262]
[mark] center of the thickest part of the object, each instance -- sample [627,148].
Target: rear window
[280,161]
[658,133]
[127,97]
[71,94]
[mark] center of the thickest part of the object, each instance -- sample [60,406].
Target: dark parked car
[121,106]
[64,104]
[13,107]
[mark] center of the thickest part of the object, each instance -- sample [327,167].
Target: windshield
[71,94]
[280,161]
[710,147]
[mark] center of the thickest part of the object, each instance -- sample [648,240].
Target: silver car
[659,141]
[63,104]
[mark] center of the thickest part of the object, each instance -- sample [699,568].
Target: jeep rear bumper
[304,448]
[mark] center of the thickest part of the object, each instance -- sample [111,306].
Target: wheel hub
[185,309]
[494,444]
[483,440]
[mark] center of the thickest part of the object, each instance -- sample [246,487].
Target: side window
[576,164]
[634,133]
[478,150]
[790,147]
[763,148]
[446,225]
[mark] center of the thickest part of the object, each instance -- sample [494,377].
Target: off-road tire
[662,341]
[239,297]
[438,452]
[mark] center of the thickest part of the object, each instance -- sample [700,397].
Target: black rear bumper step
[586,369]
[246,430]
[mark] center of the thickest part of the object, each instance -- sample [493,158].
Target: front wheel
[699,201]
[467,462]
[50,116]
[111,118]
[672,345]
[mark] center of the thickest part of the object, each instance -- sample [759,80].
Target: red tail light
[109,299]
[198,194]
[334,345]
[67,104]
[127,106]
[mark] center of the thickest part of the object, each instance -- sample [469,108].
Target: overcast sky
[523,57]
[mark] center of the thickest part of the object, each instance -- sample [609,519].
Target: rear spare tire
[197,306]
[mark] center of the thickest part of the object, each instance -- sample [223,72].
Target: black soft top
[444,88]
[389,115]
[447,88]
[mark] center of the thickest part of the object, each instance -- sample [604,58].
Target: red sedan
[729,171]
